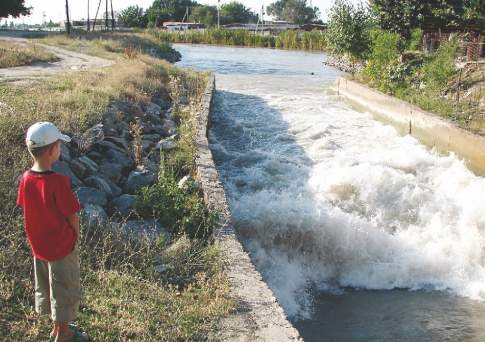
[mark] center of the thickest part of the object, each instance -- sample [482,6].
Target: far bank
[432,130]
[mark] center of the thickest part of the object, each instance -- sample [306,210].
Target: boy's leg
[42,287]
[65,288]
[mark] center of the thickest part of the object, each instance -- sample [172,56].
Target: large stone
[89,164]
[167,144]
[78,168]
[100,184]
[111,170]
[152,163]
[120,142]
[121,106]
[94,156]
[144,228]
[164,104]
[148,128]
[147,145]
[152,137]
[153,110]
[138,179]
[63,168]
[168,127]
[92,136]
[120,158]
[115,189]
[124,203]
[106,145]
[88,195]
[93,215]
[65,153]
[187,183]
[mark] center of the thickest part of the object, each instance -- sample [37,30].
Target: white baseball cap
[44,133]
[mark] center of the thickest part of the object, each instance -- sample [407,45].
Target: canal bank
[433,131]
[258,315]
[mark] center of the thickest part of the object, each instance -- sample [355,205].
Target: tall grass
[298,40]
[13,54]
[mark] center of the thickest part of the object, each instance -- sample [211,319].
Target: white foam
[326,195]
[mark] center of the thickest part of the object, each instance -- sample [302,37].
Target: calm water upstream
[362,234]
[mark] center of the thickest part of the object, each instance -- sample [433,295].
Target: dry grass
[124,297]
[111,45]
[13,54]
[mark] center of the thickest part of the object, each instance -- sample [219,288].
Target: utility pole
[88,27]
[68,22]
[106,17]
[218,13]
[112,17]
[96,16]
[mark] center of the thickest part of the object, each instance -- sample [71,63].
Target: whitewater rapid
[327,198]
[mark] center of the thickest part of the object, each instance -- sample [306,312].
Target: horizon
[55,9]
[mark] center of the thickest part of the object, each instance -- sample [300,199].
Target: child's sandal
[78,335]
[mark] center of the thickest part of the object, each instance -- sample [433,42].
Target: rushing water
[361,233]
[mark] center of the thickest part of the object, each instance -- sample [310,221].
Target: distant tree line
[296,11]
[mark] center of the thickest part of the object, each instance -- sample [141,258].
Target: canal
[362,234]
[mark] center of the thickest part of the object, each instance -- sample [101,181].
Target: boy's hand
[74,223]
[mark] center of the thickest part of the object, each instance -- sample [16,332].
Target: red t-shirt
[47,200]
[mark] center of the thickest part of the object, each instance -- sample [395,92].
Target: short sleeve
[20,194]
[66,200]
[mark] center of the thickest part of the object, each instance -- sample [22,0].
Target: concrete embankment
[428,128]
[259,317]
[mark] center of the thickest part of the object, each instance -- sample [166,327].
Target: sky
[54,9]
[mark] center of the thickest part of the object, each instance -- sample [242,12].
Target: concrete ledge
[259,316]
[428,128]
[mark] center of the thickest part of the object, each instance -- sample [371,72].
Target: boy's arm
[74,223]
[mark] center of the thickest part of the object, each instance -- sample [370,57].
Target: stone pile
[101,163]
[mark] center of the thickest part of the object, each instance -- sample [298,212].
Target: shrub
[383,63]
[440,67]
[176,209]
[348,30]
[415,41]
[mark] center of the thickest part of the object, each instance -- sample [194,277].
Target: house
[471,39]
[181,26]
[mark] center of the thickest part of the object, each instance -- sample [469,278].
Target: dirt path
[69,61]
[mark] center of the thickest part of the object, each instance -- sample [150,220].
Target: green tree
[165,10]
[383,60]
[133,16]
[236,12]
[52,24]
[15,8]
[295,11]
[403,16]
[348,30]
[204,14]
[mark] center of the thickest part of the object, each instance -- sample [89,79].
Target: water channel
[362,234]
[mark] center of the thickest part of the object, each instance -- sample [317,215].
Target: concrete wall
[428,128]
[259,316]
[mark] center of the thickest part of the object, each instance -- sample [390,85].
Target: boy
[52,226]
